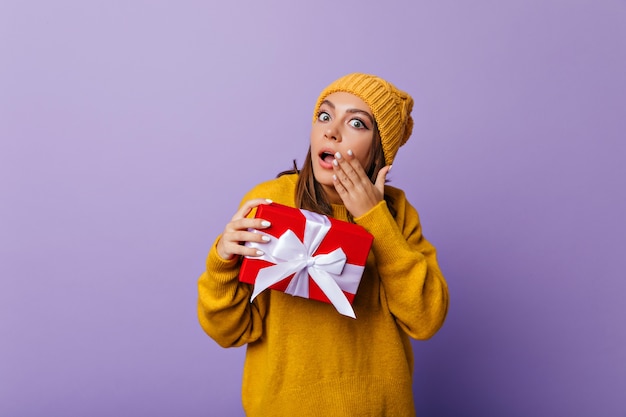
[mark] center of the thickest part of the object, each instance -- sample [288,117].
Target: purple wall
[130,131]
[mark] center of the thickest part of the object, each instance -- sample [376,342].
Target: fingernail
[335,163]
[268,200]
[265,238]
[265,223]
[334,177]
[337,155]
[260,252]
[350,152]
[390,166]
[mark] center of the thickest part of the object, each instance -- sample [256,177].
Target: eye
[322,116]
[357,124]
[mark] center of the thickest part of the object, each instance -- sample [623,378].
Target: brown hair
[311,196]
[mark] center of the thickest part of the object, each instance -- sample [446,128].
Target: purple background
[130,130]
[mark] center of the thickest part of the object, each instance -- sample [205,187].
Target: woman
[303,358]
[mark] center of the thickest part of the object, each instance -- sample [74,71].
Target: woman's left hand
[353,185]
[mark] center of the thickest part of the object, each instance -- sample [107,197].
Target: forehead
[341,99]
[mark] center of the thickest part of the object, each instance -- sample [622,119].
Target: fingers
[350,176]
[349,170]
[247,207]
[237,233]
[381,178]
[232,243]
[354,186]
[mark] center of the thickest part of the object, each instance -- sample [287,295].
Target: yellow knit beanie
[391,108]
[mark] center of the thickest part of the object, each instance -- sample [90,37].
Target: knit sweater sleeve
[224,308]
[416,291]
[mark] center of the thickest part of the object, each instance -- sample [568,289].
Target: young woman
[303,358]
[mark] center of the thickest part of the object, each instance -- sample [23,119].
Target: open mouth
[327,157]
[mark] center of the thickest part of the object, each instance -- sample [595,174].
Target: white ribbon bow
[291,256]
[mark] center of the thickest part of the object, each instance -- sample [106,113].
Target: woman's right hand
[236,232]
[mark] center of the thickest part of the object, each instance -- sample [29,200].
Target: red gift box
[309,255]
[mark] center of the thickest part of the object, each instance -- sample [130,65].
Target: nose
[332,133]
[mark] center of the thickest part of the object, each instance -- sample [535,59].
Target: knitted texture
[391,107]
[303,358]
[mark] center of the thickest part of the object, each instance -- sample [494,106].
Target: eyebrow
[369,116]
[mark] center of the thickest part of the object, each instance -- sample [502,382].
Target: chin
[326,184]
[324,178]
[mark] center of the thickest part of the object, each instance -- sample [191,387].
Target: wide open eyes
[322,116]
[357,124]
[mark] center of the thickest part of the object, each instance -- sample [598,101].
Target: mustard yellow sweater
[304,358]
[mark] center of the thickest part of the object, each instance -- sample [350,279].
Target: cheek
[364,150]
[365,157]
[315,133]
[364,160]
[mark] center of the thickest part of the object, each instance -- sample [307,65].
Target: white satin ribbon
[291,256]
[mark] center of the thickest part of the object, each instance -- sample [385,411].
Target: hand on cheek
[354,187]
